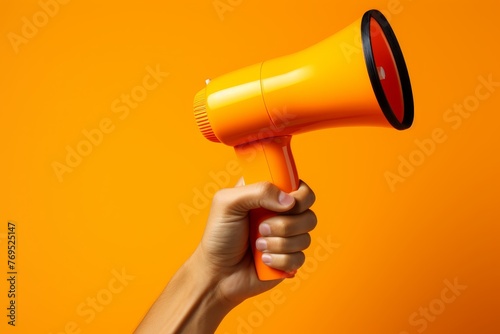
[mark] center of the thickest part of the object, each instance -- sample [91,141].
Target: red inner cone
[388,72]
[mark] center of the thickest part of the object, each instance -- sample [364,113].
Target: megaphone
[357,77]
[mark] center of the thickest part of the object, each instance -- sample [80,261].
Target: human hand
[224,251]
[220,274]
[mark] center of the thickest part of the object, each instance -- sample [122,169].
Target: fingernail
[285,199]
[266,258]
[261,244]
[265,229]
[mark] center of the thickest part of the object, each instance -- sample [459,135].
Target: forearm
[189,304]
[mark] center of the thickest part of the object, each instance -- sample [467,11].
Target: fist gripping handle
[267,160]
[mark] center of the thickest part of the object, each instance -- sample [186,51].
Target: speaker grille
[201,116]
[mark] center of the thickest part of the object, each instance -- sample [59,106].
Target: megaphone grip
[270,160]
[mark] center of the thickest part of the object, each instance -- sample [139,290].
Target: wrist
[191,302]
[208,280]
[201,266]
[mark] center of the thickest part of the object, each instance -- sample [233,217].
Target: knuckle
[300,259]
[263,190]
[282,227]
[313,219]
[308,240]
[265,187]
[220,197]
[280,244]
[313,197]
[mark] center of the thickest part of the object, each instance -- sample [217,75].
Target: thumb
[240,200]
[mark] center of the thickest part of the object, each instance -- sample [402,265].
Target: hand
[224,249]
[221,274]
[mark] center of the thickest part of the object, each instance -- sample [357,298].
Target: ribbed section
[200,114]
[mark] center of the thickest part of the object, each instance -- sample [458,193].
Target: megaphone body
[356,77]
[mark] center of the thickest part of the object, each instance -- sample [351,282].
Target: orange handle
[270,160]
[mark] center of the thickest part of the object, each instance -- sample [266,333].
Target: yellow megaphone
[258,108]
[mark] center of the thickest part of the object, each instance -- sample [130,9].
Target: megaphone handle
[270,160]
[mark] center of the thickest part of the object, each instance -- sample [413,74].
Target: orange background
[119,208]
